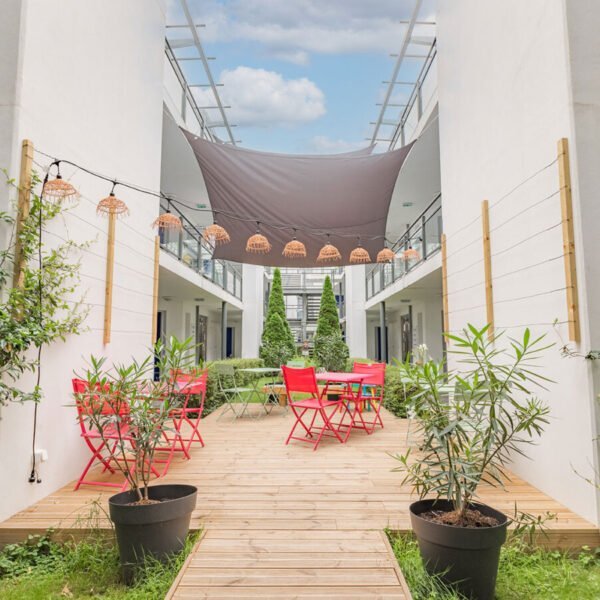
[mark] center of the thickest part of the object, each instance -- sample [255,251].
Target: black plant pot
[158,530]
[466,558]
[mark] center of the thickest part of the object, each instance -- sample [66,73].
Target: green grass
[42,570]
[524,574]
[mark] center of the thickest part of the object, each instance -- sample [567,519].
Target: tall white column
[252,317]
[356,316]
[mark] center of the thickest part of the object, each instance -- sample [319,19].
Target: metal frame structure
[195,42]
[410,39]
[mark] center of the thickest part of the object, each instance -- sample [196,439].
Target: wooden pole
[487,268]
[566,206]
[155,288]
[445,285]
[23,206]
[110,265]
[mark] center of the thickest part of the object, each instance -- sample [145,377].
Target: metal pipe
[223,330]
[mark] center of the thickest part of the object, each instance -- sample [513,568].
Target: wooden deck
[275,514]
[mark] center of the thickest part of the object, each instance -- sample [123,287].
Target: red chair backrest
[194,385]
[300,380]
[376,372]
[86,397]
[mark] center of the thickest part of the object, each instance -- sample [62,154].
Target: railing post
[423,237]
[419,101]
[180,244]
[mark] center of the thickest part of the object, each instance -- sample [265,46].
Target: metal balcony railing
[424,236]
[189,247]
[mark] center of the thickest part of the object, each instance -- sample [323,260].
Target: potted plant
[471,421]
[129,403]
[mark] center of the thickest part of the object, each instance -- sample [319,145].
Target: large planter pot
[466,558]
[158,530]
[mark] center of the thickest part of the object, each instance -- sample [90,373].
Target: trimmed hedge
[214,398]
[394,399]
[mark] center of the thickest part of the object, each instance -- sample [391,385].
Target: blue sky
[301,76]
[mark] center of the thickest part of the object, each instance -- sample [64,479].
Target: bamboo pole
[566,206]
[487,268]
[445,285]
[23,207]
[110,266]
[155,288]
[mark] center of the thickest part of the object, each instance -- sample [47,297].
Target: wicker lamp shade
[216,235]
[359,255]
[329,253]
[258,243]
[410,254]
[59,189]
[294,249]
[385,255]
[111,205]
[168,221]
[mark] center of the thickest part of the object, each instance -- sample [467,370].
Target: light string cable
[168,197]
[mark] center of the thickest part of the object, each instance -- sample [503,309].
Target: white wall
[356,320]
[90,76]
[504,101]
[253,291]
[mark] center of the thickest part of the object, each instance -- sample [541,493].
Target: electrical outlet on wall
[41,455]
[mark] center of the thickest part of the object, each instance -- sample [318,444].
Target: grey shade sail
[346,196]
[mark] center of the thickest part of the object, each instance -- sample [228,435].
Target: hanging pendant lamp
[410,254]
[329,253]
[385,255]
[168,221]
[258,243]
[359,255]
[59,189]
[215,234]
[294,248]
[111,205]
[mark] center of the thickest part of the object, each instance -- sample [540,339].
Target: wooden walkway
[273,511]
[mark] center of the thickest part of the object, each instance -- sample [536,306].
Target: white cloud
[322,144]
[263,98]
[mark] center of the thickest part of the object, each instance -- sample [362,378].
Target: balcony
[189,247]
[424,236]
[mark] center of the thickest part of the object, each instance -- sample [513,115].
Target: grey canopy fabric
[346,196]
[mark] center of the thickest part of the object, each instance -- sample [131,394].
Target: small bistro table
[347,380]
[261,372]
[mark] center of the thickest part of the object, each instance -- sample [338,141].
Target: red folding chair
[189,386]
[370,401]
[98,443]
[304,381]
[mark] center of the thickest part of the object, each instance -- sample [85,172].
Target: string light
[168,220]
[329,253]
[385,255]
[258,243]
[111,205]
[359,255]
[58,188]
[294,248]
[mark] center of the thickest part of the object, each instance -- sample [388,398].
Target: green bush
[394,398]
[277,343]
[214,398]
[331,352]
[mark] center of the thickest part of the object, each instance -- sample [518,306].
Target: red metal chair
[371,397]
[189,386]
[98,443]
[303,381]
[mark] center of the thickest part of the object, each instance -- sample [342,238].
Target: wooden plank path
[285,498]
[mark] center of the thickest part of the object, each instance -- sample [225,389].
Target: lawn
[42,570]
[524,574]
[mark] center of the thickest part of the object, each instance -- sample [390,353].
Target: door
[230,342]
[161,334]
[201,336]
